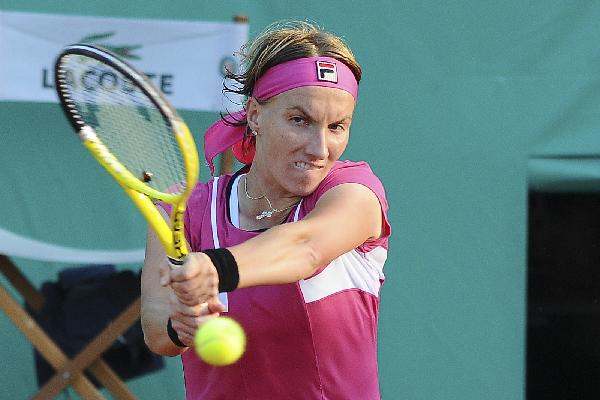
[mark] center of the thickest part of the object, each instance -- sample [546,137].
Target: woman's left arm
[344,217]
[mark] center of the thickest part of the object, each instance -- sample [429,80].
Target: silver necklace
[266,213]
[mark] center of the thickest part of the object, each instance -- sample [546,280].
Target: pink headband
[312,71]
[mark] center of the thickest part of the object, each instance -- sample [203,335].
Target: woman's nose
[317,147]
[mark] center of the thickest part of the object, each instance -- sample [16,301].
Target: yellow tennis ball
[220,341]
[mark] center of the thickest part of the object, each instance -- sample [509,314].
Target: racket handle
[174,262]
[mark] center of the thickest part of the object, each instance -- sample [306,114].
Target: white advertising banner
[185,59]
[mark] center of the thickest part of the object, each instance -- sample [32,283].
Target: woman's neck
[259,207]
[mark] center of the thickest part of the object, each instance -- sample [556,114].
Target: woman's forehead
[314,97]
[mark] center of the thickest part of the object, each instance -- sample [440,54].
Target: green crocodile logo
[123,51]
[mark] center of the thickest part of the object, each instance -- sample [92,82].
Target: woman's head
[301,85]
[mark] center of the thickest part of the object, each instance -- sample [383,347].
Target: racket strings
[125,120]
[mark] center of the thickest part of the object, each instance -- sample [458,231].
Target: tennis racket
[133,132]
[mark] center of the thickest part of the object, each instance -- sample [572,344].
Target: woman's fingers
[215,305]
[187,326]
[196,281]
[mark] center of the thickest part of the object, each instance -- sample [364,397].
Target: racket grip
[174,262]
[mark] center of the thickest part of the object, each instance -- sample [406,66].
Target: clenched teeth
[304,165]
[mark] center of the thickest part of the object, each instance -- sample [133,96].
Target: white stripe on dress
[297,213]
[215,231]
[352,270]
[213,212]
[234,206]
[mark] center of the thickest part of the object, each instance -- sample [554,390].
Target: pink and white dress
[312,339]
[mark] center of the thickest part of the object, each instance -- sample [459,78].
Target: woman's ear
[252,113]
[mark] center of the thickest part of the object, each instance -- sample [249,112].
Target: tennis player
[294,242]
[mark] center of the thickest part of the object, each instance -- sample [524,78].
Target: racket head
[133,131]
[107,101]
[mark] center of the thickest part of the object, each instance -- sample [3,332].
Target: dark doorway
[563,321]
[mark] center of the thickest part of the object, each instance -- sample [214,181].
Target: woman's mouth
[306,166]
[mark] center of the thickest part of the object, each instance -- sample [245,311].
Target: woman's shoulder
[203,189]
[199,192]
[199,204]
[342,165]
[359,172]
[345,171]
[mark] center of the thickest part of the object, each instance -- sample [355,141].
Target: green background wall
[456,96]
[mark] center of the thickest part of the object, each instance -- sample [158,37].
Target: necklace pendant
[267,214]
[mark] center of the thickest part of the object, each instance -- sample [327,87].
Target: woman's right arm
[159,303]
[156,307]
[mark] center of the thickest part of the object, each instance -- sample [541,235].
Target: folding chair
[68,371]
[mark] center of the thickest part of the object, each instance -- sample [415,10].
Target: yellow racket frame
[171,237]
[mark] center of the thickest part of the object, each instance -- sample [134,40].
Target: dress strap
[297,212]
[213,212]
[215,232]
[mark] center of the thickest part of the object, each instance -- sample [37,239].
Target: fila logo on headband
[327,71]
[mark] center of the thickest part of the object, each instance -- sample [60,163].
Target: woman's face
[300,134]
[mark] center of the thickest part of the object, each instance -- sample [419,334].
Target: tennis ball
[220,341]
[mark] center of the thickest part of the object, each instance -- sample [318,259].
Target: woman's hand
[186,320]
[195,282]
[194,298]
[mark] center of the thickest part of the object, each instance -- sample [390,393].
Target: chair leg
[98,367]
[92,351]
[43,343]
